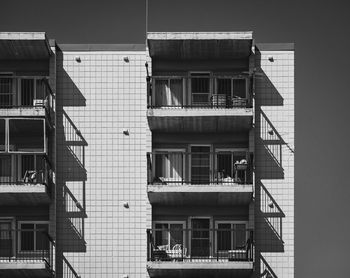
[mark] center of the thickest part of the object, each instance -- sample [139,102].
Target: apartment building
[170,159]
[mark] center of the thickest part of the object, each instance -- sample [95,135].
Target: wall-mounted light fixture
[270,131]
[126,132]
[126,59]
[78,205]
[77,58]
[271,205]
[270,58]
[126,205]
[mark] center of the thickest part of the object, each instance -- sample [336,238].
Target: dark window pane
[240,235]
[224,237]
[224,87]
[27,135]
[239,89]
[176,234]
[5,168]
[27,92]
[42,241]
[27,239]
[5,239]
[6,92]
[2,135]
[162,233]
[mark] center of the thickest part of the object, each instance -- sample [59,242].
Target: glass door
[200,164]
[200,237]
[27,92]
[6,243]
[200,89]
[168,235]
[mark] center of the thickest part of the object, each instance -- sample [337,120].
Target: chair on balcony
[30,176]
[177,252]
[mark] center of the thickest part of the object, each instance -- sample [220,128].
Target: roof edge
[102,47]
[276,46]
[240,35]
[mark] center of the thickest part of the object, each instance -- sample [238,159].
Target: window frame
[19,236]
[183,222]
[232,223]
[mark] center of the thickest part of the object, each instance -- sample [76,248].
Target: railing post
[182,248]
[148,245]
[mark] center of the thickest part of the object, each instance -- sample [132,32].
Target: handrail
[199,245]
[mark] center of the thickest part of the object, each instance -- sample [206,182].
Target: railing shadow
[72,174]
[268,94]
[68,270]
[265,269]
[269,147]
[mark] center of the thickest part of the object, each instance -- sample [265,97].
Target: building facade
[170,159]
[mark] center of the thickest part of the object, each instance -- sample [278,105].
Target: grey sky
[320,30]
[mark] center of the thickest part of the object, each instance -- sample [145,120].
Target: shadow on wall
[270,235]
[71,174]
[269,165]
[68,270]
[268,94]
[265,269]
[269,148]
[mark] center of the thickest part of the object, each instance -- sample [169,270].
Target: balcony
[25,97]
[25,180]
[200,102]
[26,252]
[223,251]
[200,177]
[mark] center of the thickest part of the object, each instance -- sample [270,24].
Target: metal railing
[26,246]
[41,173]
[200,245]
[199,92]
[196,168]
[26,92]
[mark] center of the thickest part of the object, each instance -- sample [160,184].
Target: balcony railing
[26,246]
[196,168]
[33,170]
[200,245]
[25,92]
[198,92]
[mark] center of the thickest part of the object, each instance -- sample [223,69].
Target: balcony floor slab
[220,195]
[17,194]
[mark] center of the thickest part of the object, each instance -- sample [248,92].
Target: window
[233,89]
[32,168]
[27,92]
[6,238]
[200,89]
[26,135]
[168,92]
[33,236]
[6,94]
[230,236]
[2,135]
[168,234]
[5,169]
[169,165]
[225,161]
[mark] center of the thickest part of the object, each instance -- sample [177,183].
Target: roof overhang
[199,45]
[24,46]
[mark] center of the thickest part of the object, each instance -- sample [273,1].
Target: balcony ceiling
[200,45]
[28,46]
